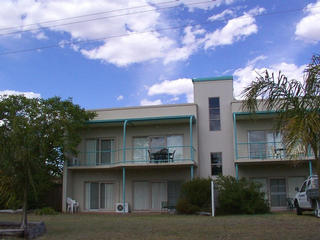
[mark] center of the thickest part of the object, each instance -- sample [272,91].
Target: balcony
[135,156]
[267,152]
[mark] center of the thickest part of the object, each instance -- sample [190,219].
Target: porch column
[124,188]
[124,169]
[235,135]
[237,171]
[310,167]
[191,147]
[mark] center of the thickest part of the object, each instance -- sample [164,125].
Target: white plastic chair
[72,205]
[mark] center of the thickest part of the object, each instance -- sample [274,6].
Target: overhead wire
[135,33]
[99,18]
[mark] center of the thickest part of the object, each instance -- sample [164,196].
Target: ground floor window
[99,195]
[155,195]
[216,163]
[263,186]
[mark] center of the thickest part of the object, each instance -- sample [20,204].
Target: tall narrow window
[216,163]
[214,114]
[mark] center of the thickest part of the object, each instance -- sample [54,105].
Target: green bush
[195,196]
[45,211]
[240,196]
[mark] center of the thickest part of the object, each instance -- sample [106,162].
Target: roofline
[257,112]
[142,107]
[143,119]
[220,78]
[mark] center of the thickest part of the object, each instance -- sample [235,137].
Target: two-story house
[140,156]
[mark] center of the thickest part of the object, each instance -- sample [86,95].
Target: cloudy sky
[106,53]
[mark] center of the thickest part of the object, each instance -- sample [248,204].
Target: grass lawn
[102,226]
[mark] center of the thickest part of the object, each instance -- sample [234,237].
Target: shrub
[195,196]
[240,196]
[45,211]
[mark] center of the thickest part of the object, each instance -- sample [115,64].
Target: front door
[278,193]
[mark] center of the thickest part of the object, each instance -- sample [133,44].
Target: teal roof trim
[212,79]
[143,119]
[257,112]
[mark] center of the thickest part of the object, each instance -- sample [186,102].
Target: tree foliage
[297,104]
[240,196]
[36,136]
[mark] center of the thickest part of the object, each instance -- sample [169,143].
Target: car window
[303,188]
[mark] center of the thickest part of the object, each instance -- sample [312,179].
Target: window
[99,196]
[216,163]
[214,114]
[99,151]
[265,144]
[141,145]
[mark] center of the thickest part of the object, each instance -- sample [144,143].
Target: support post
[124,169]
[191,172]
[191,139]
[237,171]
[310,167]
[212,198]
[124,141]
[235,135]
[124,188]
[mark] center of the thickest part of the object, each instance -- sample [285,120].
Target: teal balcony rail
[265,150]
[135,155]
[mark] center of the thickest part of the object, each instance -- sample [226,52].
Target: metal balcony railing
[265,150]
[135,155]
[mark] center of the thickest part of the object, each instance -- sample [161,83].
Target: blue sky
[149,50]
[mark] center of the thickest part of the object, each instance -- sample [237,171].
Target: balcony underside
[246,161]
[137,165]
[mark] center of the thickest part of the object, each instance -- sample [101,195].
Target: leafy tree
[36,136]
[297,105]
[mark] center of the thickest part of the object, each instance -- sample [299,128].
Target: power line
[134,33]
[100,18]
[86,15]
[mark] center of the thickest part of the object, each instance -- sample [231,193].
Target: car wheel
[299,210]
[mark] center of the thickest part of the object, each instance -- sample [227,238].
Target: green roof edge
[142,119]
[212,78]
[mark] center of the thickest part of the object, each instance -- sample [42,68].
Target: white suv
[307,197]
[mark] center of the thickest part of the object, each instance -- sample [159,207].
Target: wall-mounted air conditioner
[119,207]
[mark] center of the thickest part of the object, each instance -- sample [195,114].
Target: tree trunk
[24,221]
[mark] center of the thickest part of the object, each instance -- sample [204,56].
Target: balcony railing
[265,150]
[135,155]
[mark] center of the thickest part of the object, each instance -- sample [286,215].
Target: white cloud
[146,102]
[26,94]
[308,28]
[182,86]
[120,97]
[236,29]
[133,48]
[221,16]
[244,76]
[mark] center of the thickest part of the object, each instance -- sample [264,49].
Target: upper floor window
[214,114]
[216,163]
[265,144]
[142,146]
[99,151]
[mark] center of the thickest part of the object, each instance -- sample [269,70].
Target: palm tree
[297,105]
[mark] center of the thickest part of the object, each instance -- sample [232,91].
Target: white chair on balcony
[72,205]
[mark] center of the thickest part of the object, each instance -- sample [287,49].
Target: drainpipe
[310,167]
[191,146]
[124,169]
[237,171]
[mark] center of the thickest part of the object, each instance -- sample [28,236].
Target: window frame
[218,119]
[99,151]
[219,164]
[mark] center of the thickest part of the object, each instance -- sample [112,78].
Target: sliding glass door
[99,196]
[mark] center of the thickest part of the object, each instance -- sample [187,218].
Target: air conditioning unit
[119,207]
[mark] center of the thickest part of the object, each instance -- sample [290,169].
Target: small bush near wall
[240,196]
[45,211]
[195,196]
